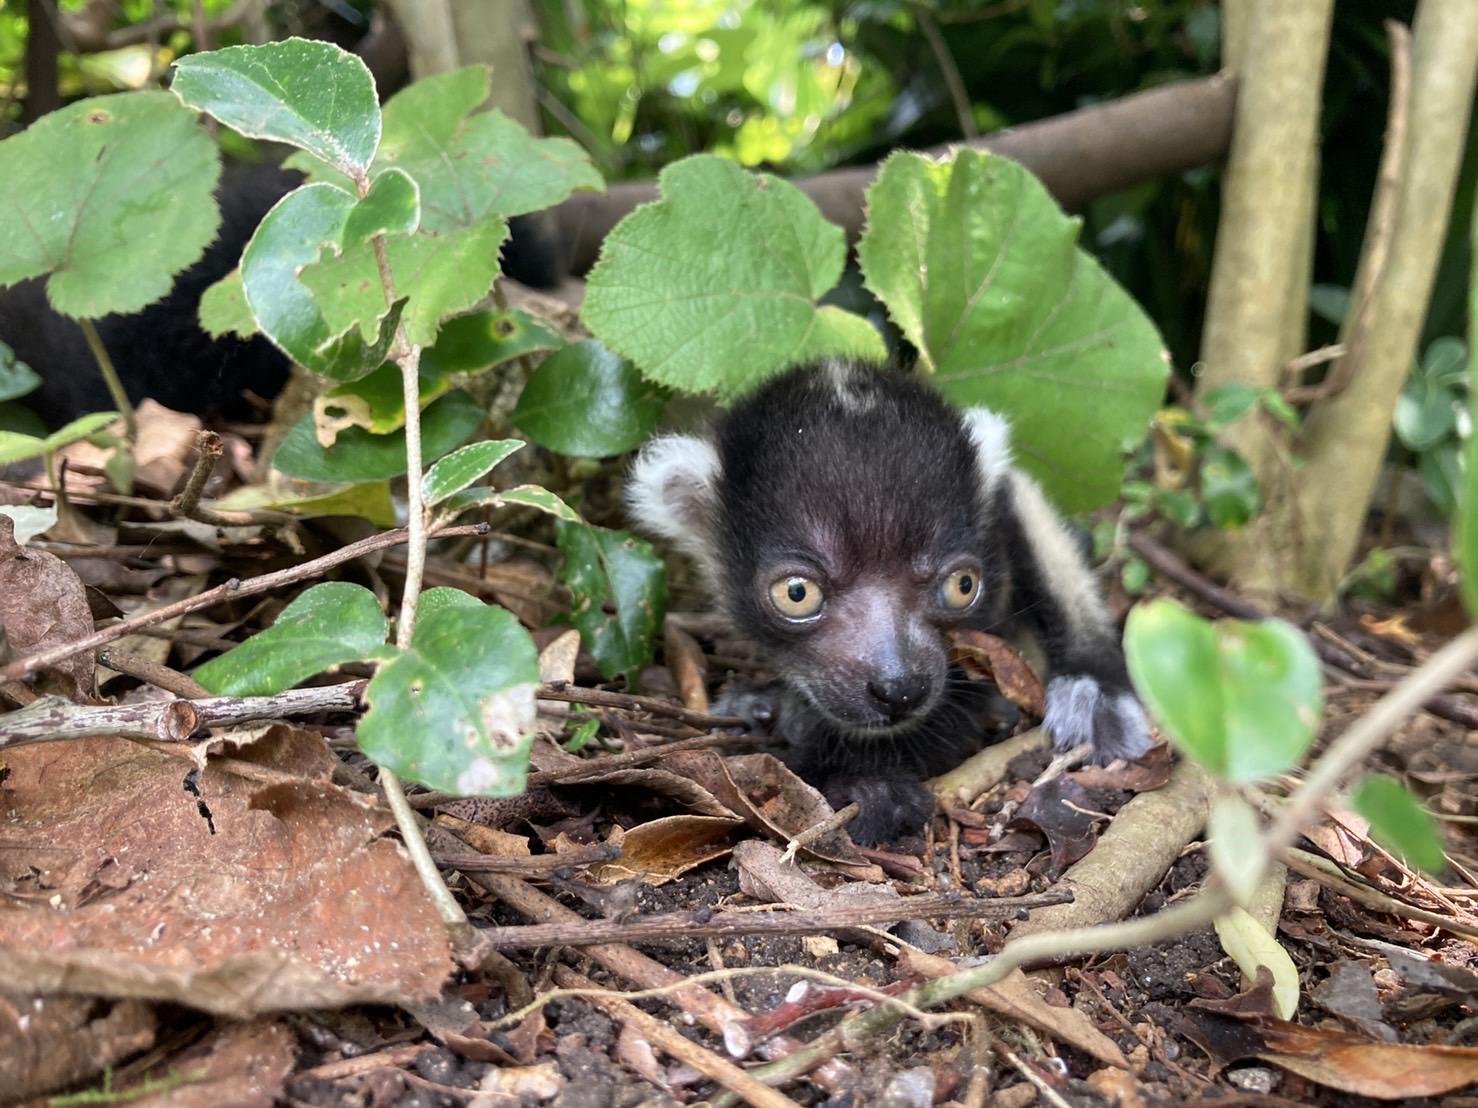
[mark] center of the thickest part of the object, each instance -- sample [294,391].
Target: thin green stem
[111,379]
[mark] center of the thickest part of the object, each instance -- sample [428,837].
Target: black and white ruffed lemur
[844,515]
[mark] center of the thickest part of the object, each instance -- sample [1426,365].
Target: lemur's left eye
[960,589]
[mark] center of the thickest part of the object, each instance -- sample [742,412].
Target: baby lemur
[844,515]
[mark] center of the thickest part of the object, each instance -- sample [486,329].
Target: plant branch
[111,379]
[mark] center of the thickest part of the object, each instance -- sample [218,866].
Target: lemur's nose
[898,696]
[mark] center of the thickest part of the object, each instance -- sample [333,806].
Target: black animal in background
[161,352]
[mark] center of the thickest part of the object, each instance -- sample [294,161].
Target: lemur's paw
[1081,710]
[887,809]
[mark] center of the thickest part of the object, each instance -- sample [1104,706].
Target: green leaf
[358,456]
[28,521]
[980,269]
[308,94]
[1243,699]
[1400,823]
[1235,843]
[110,196]
[1251,946]
[612,569]
[1228,488]
[461,467]
[375,402]
[16,447]
[16,378]
[370,501]
[479,340]
[223,310]
[456,711]
[714,287]
[440,272]
[1228,403]
[326,626]
[1330,303]
[587,402]
[391,207]
[528,496]
[289,238]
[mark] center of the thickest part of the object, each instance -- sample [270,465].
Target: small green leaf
[701,319]
[588,403]
[325,626]
[480,340]
[288,239]
[1229,403]
[110,196]
[1228,488]
[612,569]
[461,467]
[1235,843]
[1251,946]
[391,207]
[528,496]
[308,94]
[455,712]
[359,456]
[1399,823]
[1330,303]
[16,378]
[1243,699]
[370,501]
[15,447]
[29,522]
[982,272]
[223,310]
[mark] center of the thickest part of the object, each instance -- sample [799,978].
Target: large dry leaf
[43,604]
[664,849]
[255,897]
[244,1065]
[49,1043]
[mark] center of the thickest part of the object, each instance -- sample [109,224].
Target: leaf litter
[232,923]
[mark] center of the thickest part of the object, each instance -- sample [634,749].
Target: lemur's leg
[1089,698]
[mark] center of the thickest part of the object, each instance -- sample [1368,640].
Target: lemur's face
[867,652]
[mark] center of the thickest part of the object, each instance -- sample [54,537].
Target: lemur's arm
[1089,698]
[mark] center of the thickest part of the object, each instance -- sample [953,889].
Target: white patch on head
[1080,710]
[1064,573]
[842,379]
[671,492]
[991,436]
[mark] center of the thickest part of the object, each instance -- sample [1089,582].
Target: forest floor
[229,919]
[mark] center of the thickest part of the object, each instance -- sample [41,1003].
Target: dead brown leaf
[49,1043]
[996,660]
[42,605]
[242,1064]
[249,899]
[688,665]
[666,848]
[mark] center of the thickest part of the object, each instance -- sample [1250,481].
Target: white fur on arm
[671,492]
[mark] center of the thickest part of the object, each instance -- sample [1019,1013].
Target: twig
[535,865]
[112,381]
[52,718]
[1028,1071]
[820,830]
[699,924]
[187,504]
[671,1041]
[1328,874]
[170,680]
[231,589]
[958,95]
[570,694]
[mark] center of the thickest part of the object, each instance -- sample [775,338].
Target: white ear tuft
[672,491]
[991,435]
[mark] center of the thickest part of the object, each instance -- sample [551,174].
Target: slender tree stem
[111,379]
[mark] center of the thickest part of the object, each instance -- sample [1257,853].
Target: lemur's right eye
[796,598]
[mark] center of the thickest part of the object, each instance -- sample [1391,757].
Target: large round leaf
[586,402]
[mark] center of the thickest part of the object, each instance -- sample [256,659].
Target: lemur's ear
[990,434]
[672,491]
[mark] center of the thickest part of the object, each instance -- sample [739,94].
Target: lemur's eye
[960,589]
[796,597]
